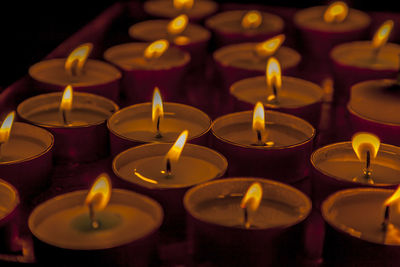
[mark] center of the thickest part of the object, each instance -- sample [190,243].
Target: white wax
[8,199]
[53,72]
[21,147]
[244,56]
[165,8]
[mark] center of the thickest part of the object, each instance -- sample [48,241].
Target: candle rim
[15,200]
[347,144]
[266,148]
[190,210]
[77,96]
[115,115]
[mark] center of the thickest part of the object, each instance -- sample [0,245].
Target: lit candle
[85,75]
[260,143]
[9,203]
[239,61]
[189,37]
[227,228]
[156,122]
[365,60]
[363,227]
[145,66]
[323,27]
[196,10]
[165,171]
[25,156]
[82,228]
[286,94]
[77,120]
[373,107]
[362,162]
[240,26]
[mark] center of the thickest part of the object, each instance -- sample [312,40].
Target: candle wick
[93,222]
[168,168]
[259,137]
[368,170]
[386,216]
[246,218]
[158,134]
[275,92]
[64,117]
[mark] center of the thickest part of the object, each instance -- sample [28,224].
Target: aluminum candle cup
[133,125]
[296,96]
[194,39]
[337,167]
[357,58]
[140,168]
[228,29]
[373,107]
[216,227]
[9,203]
[165,9]
[319,37]
[97,78]
[26,159]
[141,75]
[286,160]
[239,61]
[354,234]
[127,235]
[85,137]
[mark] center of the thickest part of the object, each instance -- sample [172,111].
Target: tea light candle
[9,203]
[165,171]
[217,221]
[196,10]
[240,26]
[277,146]
[80,129]
[355,235]
[240,61]
[25,156]
[365,60]
[127,225]
[294,96]
[341,165]
[323,27]
[85,75]
[134,125]
[145,66]
[384,118]
[189,37]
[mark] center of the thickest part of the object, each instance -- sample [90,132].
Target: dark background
[32,29]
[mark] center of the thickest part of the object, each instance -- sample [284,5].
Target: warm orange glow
[175,151]
[100,193]
[252,20]
[252,198]
[181,40]
[178,24]
[269,47]
[157,108]
[259,117]
[77,59]
[66,101]
[156,49]
[273,73]
[6,126]
[393,198]
[381,36]
[183,4]
[336,12]
[363,142]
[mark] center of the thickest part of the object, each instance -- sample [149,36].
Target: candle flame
[156,49]
[363,142]
[175,151]
[178,24]
[259,117]
[336,12]
[183,4]
[253,197]
[269,47]
[252,20]
[100,192]
[381,36]
[393,198]
[273,73]
[157,108]
[66,101]
[6,126]
[77,59]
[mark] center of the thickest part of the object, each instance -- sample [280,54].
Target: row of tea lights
[257,143]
